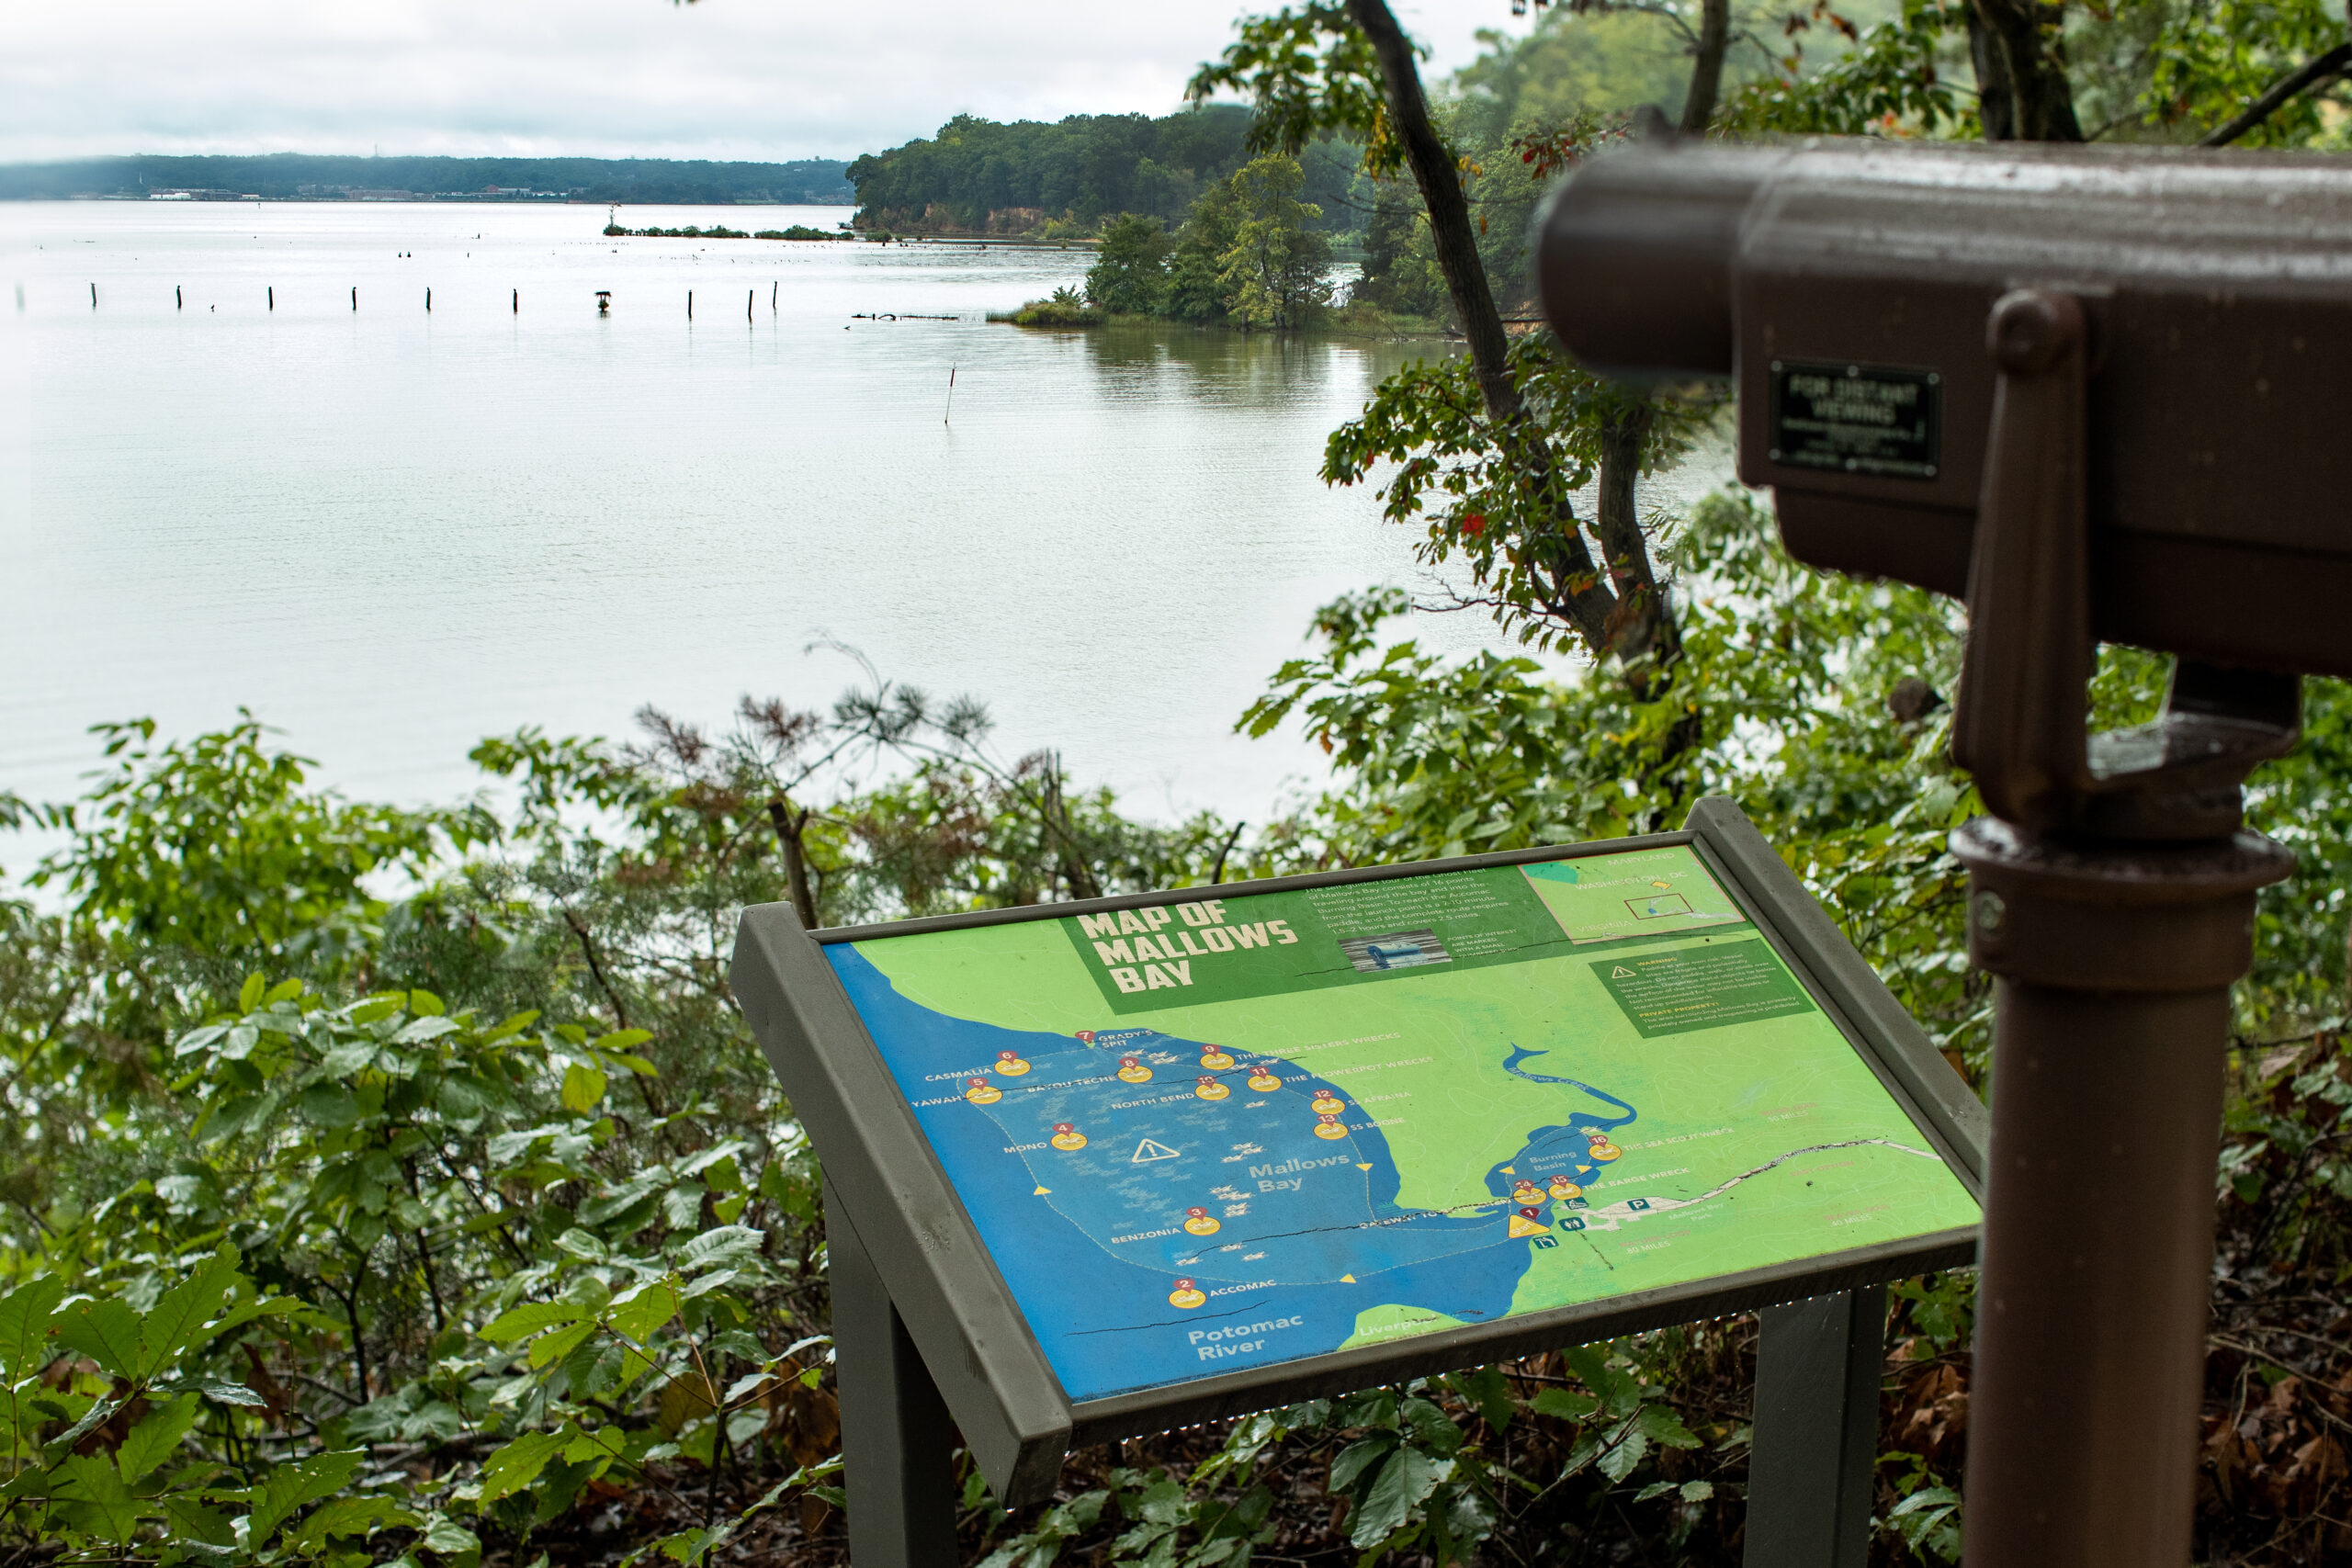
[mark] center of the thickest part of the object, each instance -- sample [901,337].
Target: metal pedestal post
[2114,963]
[1814,1447]
[898,1442]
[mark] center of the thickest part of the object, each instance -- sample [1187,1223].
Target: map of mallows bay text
[1226,1132]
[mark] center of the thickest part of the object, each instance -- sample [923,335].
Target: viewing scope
[1849,287]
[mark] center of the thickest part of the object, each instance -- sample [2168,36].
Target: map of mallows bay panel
[1232,1132]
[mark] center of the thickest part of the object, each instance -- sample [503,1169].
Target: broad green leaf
[99,1412]
[641,1311]
[518,1465]
[1661,1424]
[1400,1487]
[25,1314]
[196,1040]
[361,1516]
[377,1009]
[220,1391]
[1621,1461]
[605,1443]
[290,1488]
[1350,1463]
[1431,1426]
[1698,1491]
[418,1031]
[106,1332]
[156,1439]
[550,1349]
[1566,1404]
[620,1039]
[177,1323]
[350,1056]
[90,1493]
[450,1538]
[529,1317]
[249,995]
[720,1244]
[285,990]
[584,1087]
[425,1004]
[190,1520]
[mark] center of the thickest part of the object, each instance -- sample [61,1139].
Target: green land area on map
[1463,1011]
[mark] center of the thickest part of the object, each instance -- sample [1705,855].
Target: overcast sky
[761,79]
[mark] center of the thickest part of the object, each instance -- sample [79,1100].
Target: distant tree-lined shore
[303,176]
[1060,180]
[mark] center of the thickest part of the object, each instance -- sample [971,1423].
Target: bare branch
[2318,69]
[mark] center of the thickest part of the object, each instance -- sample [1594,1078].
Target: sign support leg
[1815,1446]
[897,1439]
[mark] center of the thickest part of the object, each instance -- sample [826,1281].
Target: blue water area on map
[1288,1213]
[1552,1153]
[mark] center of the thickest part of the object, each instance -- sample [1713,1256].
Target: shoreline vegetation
[720,232]
[314,177]
[1248,256]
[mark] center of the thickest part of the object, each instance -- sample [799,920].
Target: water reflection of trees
[1152,361]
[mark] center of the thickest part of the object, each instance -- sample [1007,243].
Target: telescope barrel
[1634,260]
[1844,285]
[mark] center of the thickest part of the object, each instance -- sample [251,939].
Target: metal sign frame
[906,1248]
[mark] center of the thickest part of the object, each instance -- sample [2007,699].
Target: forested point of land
[385,1185]
[323,177]
[978,176]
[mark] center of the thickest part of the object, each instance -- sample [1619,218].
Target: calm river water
[391,532]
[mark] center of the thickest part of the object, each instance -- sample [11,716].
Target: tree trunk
[2024,65]
[1994,102]
[788,832]
[1707,66]
[1583,597]
[1641,631]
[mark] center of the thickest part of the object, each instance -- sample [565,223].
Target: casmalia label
[1881,419]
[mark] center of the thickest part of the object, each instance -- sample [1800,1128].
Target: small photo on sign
[1398,950]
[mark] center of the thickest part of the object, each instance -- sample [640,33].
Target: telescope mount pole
[2111,895]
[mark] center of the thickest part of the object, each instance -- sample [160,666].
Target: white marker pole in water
[950,395]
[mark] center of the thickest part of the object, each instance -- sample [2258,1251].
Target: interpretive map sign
[1128,1163]
[1273,1126]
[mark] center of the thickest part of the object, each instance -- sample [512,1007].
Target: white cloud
[723,78]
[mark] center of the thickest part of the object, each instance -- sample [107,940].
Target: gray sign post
[1103,1170]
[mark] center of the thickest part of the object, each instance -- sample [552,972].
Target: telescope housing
[1845,287]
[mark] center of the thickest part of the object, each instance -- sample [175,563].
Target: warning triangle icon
[1151,1149]
[1621,972]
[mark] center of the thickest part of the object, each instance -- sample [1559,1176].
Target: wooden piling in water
[178,303]
[749,295]
[518,301]
[772,287]
[273,297]
[94,297]
[690,304]
[355,297]
[428,301]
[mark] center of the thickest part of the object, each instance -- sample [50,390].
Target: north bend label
[1881,419]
